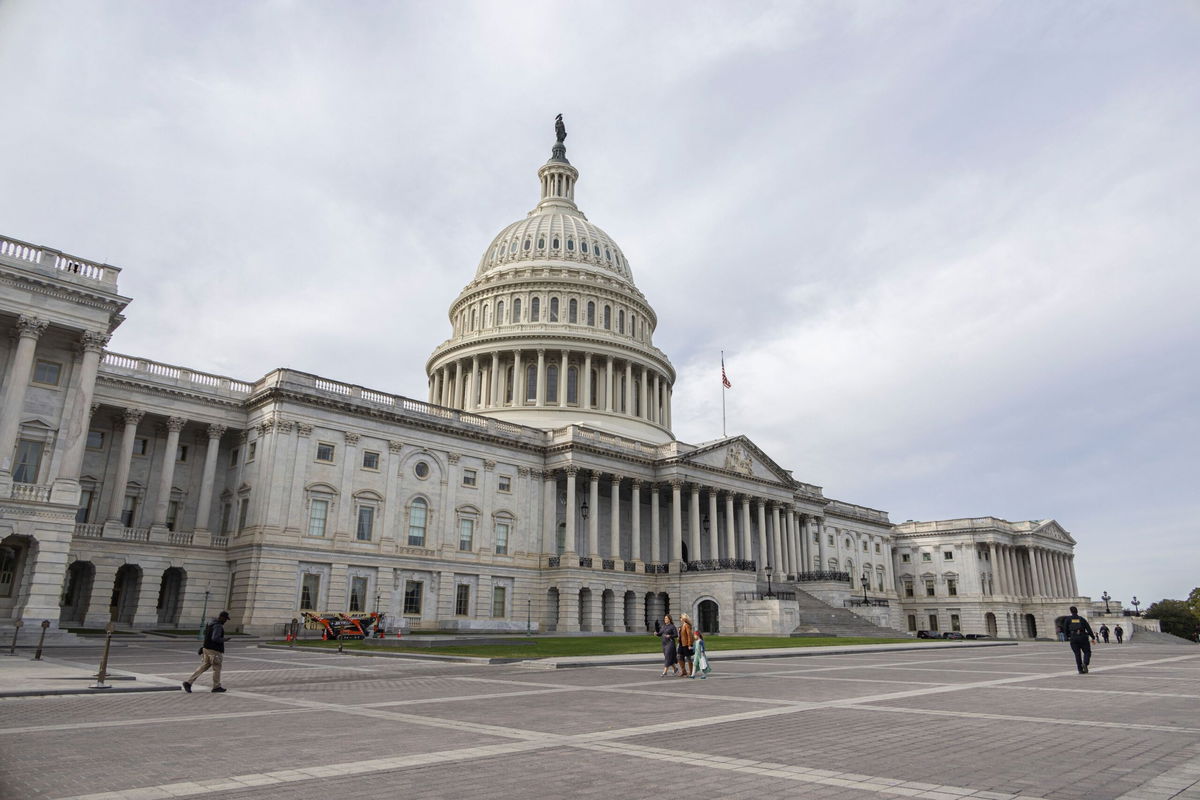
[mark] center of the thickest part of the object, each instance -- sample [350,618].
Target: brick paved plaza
[984,723]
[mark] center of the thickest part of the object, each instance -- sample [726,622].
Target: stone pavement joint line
[1087,723]
[1180,783]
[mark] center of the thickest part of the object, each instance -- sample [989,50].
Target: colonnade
[561,378]
[1032,571]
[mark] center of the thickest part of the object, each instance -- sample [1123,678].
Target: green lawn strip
[561,646]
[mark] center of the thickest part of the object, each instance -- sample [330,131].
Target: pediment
[740,456]
[1052,530]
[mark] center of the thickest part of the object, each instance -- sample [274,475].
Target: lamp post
[1106,597]
[1135,603]
[865,583]
[204,611]
[767,569]
[528,617]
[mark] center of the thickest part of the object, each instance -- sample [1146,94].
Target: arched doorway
[629,617]
[1031,626]
[710,616]
[653,611]
[664,605]
[585,609]
[14,558]
[608,610]
[550,622]
[989,620]
[170,595]
[77,592]
[126,588]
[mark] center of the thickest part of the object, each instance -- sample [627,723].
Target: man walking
[1120,632]
[213,651]
[1080,635]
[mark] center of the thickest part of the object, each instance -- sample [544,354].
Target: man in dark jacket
[213,651]
[1080,635]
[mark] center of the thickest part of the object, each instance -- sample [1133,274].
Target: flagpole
[723,434]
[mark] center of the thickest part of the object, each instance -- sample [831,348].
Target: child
[700,665]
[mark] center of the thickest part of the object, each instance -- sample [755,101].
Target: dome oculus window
[421,470]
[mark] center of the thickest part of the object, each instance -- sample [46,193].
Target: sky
[948,249]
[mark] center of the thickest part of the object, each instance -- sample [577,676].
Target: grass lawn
[99,632]
[556,646]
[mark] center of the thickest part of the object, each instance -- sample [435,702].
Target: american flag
[725,378]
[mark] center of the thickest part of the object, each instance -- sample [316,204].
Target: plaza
[1013,720]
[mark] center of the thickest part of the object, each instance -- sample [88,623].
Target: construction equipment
[336,625]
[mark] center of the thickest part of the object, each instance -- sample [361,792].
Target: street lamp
[1106,597]
[583,510]
[865,583]
[1135,603]
[767,569]
[204,611]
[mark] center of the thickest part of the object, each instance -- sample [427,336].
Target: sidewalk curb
[110,690]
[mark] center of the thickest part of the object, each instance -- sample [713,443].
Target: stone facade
[539,486]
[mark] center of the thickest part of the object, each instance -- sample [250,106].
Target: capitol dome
[552,330]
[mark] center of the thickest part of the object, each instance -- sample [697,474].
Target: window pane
[370,460]
[29,461]
[95,440]
[243,511]
[572,384]
[416,523]
[366,523]
[502,537]
[466,534]
[412,597]
[462,600]
[318,513]
[47,372]
[324,452]
[358,593]
[498,598]
[552,383]
[310,591]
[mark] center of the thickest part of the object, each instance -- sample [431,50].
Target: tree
[1194,601]
[1175,616]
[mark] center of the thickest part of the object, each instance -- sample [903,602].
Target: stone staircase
[27,638]
[818,618]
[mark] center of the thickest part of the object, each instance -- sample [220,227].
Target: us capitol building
[538,485]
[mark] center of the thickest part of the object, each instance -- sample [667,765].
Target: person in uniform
[1080,635]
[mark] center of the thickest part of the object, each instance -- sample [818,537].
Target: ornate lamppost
[767,569]
[204,611]
[865,583]
[1135,603]
[1106,597]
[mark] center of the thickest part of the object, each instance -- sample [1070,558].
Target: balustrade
[823,575]
[715,564]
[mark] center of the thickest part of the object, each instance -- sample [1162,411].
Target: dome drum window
[571,245]
[554,243]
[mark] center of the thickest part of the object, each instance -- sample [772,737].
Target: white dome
[549,236]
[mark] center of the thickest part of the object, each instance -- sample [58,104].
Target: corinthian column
[91,346]
[594,516]
[204,508]
[29,330]
[614,513]
[163,502]
[676,521]
[131,418]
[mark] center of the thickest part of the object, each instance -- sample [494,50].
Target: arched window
[608,318]
[418,518]
[633,325]
[553,309]
[541,243]
[526,246]
[487,315]
[472,319]
[591,314]
[552,383]
[571,245]
[512,248]
[508,384]
[621,321]
[573,385]
[531,382]
[535,309]
[554,243]
[573,311]
[608,254]
[499,312]
[637,398]
[516,310]
[583,246]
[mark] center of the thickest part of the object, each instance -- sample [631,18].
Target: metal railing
[631,566]
[823,575]
[715,564]
[554,561]
[585,561]
[658,569]
[881,602]
[608,563]
[765,596]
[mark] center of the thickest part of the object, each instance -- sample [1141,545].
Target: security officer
[1080,635]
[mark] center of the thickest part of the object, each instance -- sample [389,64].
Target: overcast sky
[949,249]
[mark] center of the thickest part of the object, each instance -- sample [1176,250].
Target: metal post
[203,613]
[529,614]
[12,651]
[294,629]
[102,673]
[37,656]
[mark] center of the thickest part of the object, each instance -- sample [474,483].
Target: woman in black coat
[668,632]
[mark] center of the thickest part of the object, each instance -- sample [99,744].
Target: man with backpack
[213,651]
[1080,635]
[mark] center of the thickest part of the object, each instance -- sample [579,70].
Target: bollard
[103,672]
[293,630]
[339,641]
[37,656]
[12,651]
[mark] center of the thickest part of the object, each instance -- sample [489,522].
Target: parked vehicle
[952,635]
[978,636]
[929,635]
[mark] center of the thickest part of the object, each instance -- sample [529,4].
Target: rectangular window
[504,483]
[412,596]
[172,514]
[234,455]
[466,533]
[816,537]
[947,555]
[129,511]
[905,558]
[140,446]
[370,460]
[877,550]
[929,590]
[470,477]
[912,622]
[318,515]
[243,512]
[325,452]
[86,498]
[502,538]
[462,600]
[926,557]
[29,461]
[310,592]
[908,589]
[416,523]
[933,623]
[952,587]
[226,511]
[499,596]
[251,451]
[954,624]
[181,454]
[366,523]
[95,440]
[830,542]
[866,547]
[47,373]
[358,593]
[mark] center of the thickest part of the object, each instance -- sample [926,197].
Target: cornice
[168,391]
[532,340]
[112,303]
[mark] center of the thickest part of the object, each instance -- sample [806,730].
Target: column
[459,394]
[676,521]
[667,403]
[163,501]
[569,513]
[1060,587]
[764,553]
[562,382]
[540,393]
[204,508]
[1064,580]
[614,513]
[824,562]
[594,516]
[747,550]
[629,409]
[476,398]
[804,532]
[131,417]
[29,330]
[1072,576]
[777,541]
[518,397]
[714,525]
[654,411]
[495,382]
[1037,573]
[91,345]
[586,378]
[795,540]
[730,528]
[694,551]
[635,522]
[655,525]
[608,385]
[644,406]
[549,517]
